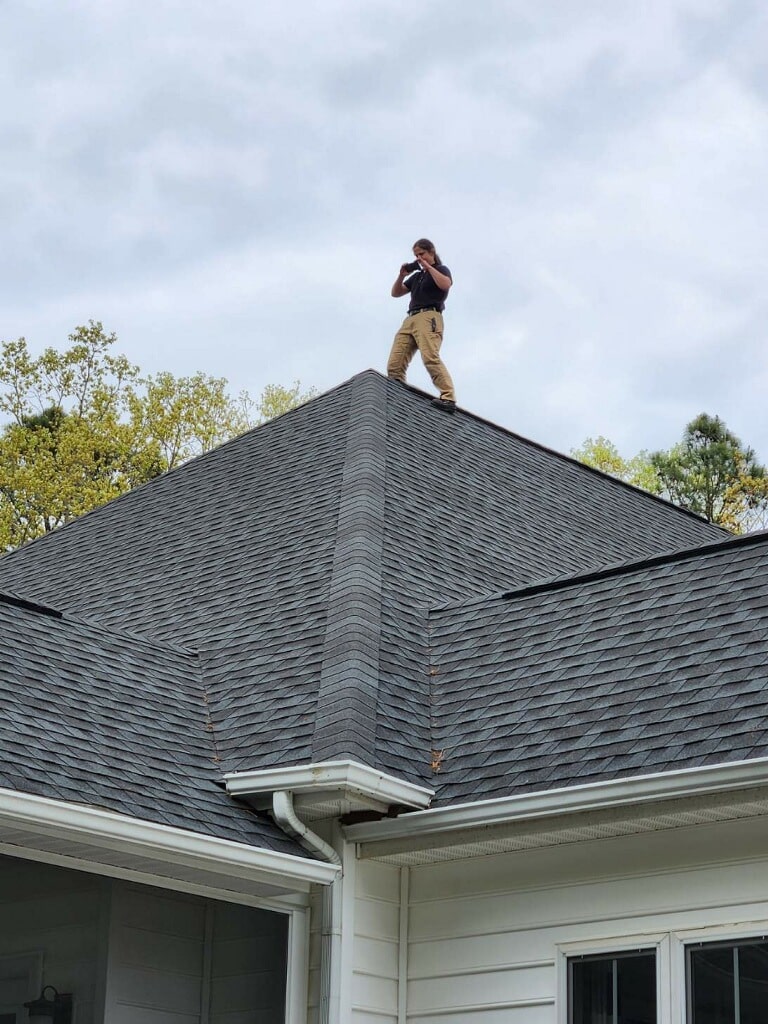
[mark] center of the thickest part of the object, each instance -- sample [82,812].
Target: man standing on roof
[422,329]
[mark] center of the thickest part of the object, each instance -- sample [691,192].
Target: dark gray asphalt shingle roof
[652,668]
[116,722]
[299,560]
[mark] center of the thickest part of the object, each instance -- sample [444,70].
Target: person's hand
[405,269]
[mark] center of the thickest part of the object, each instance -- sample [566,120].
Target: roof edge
[350,776]
[195,459]
[30,606]
[607,571]
[622,568]
[120,832]
[562,455]
[591,796]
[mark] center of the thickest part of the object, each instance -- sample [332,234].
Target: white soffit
[566,829]
[570,814]
[106,842]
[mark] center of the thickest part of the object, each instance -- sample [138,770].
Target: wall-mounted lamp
[54,1009]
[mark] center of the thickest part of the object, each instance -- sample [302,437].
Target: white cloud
[232,187]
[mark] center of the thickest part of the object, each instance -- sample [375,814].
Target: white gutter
[137,838]
[331,775]
[592,796]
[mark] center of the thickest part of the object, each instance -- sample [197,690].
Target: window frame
[656,943]
[716,935]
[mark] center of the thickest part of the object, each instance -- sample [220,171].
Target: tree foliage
[709,472]
[602,454]
[84,426]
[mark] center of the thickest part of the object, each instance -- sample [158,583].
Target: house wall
[57,913]
[131,954]
[176,959]
[375,960]
[487,937]
[369,953]
[248,965]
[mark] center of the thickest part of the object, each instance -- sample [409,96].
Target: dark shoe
[444,404]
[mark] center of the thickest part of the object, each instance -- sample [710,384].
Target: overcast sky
[232,186]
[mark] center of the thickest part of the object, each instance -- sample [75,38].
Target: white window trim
[656,941]
[681,940]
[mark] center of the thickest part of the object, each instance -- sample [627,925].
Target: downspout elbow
[285,816]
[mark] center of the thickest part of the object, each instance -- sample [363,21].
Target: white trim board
[116,841]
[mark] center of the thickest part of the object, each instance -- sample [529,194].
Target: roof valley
[348,692]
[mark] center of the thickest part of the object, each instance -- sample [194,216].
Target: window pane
[593,1000]
[712,995]
[753,983]
[592,991]
[637,990]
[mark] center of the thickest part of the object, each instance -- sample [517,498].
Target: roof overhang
[90,839]
[329,789]
[572,814]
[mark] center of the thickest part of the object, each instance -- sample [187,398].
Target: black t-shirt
[424,291]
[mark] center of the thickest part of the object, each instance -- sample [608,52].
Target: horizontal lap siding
[56,911]
[248,966]
[157,944]
[376,944]
[484,933]
[159,958]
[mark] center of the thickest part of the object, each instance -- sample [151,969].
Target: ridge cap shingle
[347,694]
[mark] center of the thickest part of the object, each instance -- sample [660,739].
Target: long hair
[424,243]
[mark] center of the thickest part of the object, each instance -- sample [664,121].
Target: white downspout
[330,938]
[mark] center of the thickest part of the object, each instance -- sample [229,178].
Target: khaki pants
[422,331]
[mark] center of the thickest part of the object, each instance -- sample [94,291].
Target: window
[728,983]
[613,989]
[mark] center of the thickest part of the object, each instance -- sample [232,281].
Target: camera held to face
[410,267]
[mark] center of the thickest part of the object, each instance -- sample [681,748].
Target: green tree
[85,426]
[709,472]
[602,454]
[712,473]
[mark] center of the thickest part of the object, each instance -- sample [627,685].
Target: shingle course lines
[299,560]
[625,683]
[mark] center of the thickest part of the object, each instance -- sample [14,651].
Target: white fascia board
[330,775]
[133,836]
[572,799]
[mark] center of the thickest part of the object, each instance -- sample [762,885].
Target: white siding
[176,959]
[485,935]
[248,966]
[56,912]
[376,943]
[156,948]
